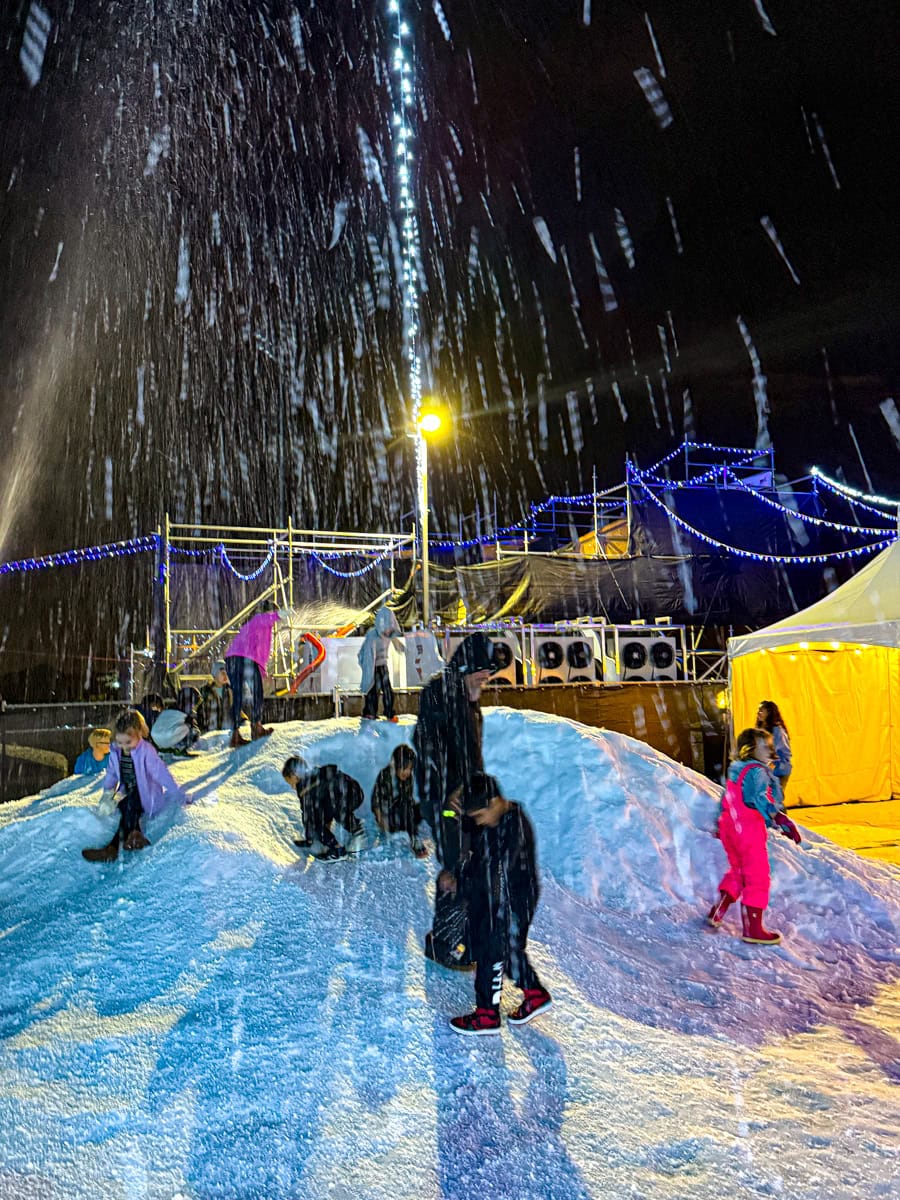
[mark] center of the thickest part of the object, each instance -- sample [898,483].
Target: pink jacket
[254,640]
[156,786]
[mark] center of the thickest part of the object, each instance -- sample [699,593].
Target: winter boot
[716,914]
[136,840]
[331,854]
[357,842]
[537,1000]
[237,740]
[754,930]
[478,1023]
[259,731]
[108,853]
[418,847]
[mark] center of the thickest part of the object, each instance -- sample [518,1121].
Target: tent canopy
[834,671]
[864,611]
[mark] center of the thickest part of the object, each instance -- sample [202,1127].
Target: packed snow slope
[218,1017]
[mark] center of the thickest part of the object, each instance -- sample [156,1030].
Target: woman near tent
[769,718]
[750,806]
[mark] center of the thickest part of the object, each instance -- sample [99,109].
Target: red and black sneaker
[537,1000]
[475,1024]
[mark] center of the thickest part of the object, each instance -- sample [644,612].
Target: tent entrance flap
[841,704]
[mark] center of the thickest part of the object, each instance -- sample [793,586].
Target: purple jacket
[156,786]
[254,640]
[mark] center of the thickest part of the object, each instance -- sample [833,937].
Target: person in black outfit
[498,882]
[326,795]
[393,803]
[447,741]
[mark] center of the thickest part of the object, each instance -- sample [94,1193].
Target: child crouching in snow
[136,769]
[326,795]
[393,803]
[498,881]
[752,803]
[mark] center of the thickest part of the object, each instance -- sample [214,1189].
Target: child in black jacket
[393,803]
[326,795]
[498,880]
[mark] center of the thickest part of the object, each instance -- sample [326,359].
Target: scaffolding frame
[283,546]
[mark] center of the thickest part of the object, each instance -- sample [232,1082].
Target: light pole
[430,420]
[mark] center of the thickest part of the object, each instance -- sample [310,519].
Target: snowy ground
[215,1018]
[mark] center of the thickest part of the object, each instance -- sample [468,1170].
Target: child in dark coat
[326,795]
[393,803]
[498,881]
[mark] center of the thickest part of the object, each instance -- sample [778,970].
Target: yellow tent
[834,671]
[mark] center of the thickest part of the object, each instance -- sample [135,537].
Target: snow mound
[216,1016]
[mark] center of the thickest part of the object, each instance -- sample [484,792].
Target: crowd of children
[488,885]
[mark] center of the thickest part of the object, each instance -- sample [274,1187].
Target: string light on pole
[403,97]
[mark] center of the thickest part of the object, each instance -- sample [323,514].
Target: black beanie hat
[481,791]
[474,653]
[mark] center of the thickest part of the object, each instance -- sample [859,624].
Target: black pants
[382,683]
[498,954]
[243,671]
[130,810]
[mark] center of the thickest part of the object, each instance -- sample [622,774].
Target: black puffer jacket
[447,742]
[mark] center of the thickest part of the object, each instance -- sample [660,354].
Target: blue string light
[67,558]
[852,496]
[782,559]
[799,516]
[349,574]
[226,561]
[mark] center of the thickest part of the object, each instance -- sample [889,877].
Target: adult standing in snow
[770,719]
[373,658]
[447,741]
[246,660]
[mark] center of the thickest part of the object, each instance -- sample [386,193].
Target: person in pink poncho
[246,660]
[752,804]
[138,775]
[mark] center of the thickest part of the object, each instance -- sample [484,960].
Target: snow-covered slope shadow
[216,1017]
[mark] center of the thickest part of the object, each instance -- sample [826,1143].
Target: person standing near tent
[217,699]
[769,718]
[751,805]
[373,659]
[246,660]
[447,740]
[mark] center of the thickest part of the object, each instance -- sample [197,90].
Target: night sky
[199,302]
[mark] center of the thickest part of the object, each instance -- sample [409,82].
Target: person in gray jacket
[373,659]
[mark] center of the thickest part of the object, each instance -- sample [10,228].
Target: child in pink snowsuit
[752,803]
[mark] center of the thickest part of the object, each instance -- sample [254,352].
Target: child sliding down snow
[326,795]
[137,770]
[498,881]
[751,804]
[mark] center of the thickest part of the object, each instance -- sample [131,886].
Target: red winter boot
[716,914]
[754,930]
[237,740]
[259,731]
[537,1000]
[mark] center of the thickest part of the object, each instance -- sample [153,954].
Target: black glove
[787,827]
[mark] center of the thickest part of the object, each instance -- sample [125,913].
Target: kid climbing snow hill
[751,805]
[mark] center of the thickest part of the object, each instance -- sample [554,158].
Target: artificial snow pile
[218,1017]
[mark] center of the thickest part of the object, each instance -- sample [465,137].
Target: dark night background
[224,137]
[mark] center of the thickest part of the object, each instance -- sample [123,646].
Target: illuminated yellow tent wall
[834,671]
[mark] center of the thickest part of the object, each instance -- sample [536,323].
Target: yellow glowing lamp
[432,418]
[722,700]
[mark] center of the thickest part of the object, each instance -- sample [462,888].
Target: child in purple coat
[137,770]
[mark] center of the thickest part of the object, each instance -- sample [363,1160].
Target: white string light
[851,493]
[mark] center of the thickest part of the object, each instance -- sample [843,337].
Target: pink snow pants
[742,831]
